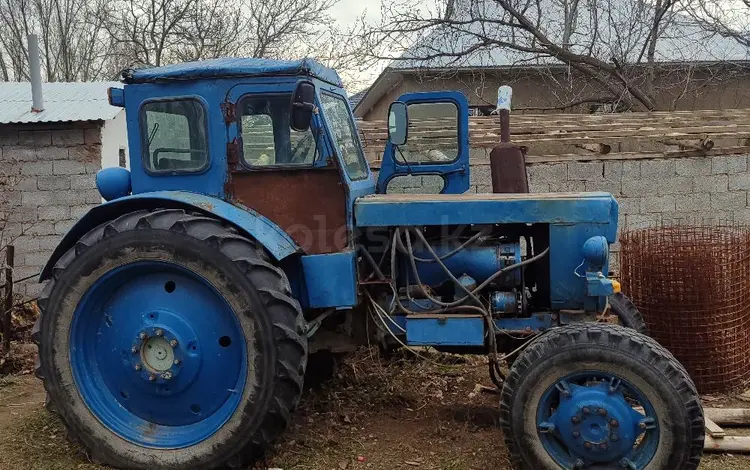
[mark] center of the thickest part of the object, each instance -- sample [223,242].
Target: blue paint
[455,173]
[116,96]
[586,418]
[479,262]
[113,182]
[446,330]
[278,243]
[388,210]
[233,67]
[596,253]
[597,285]
[567,284]
[504,303]
[331,279]
[536,323]
[354,188]
[209,94]
[205,387]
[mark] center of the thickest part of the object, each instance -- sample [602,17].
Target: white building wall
[114,138]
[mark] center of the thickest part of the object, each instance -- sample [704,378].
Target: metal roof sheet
[227,67]
[62,102]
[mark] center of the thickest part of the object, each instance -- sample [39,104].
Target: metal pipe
[35,72]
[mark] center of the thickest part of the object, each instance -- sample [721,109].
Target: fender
[268,234]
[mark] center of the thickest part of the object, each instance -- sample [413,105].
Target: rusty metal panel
[309,204]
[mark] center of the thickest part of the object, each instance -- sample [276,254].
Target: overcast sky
[346,13]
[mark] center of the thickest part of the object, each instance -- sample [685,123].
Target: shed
[48,160]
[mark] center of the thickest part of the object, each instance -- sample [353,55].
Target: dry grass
[401,413]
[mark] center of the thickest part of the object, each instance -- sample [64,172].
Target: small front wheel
[601,396]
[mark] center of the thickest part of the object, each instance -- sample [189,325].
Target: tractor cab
[277,137]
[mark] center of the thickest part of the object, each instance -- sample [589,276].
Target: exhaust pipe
[35,72]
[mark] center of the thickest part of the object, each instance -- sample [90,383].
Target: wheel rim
[590,418]
[158,355]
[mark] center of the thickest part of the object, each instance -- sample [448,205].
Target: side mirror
[303,105]
[398,123]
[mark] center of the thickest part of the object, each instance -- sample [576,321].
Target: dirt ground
[403,413]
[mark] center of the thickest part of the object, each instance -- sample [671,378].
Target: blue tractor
[249,233]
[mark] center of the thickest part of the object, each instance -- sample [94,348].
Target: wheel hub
[158,358]
[595,423]
[157,355]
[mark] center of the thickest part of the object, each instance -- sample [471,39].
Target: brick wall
[49,169]
[697,189]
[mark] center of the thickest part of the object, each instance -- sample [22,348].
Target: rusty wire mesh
[692,284]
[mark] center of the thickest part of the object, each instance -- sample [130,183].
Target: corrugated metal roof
[357,97]
[62,102]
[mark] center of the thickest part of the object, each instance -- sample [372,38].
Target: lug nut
[587,445]
[173,343]
[159,332]
[576,434]
[166,375]
[614,423]
[138,367]
[642,425]
[603,446]
[579,464]
[575,419]
[602,412]
[142,335]
[177,362]
[151,377]
[586,410]
[134,350]
[615,438]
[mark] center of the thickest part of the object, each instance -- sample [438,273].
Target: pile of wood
[717,438]
[582,137]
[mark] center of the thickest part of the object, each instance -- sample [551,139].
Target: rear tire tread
[284,312]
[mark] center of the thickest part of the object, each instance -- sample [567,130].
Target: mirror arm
[304,106]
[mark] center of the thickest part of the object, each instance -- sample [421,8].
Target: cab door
[437,143]
[289,177]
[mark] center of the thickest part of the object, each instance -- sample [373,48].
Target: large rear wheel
[168,340]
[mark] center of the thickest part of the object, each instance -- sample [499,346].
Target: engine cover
[479,262]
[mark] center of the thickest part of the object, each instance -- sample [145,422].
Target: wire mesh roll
[692,284]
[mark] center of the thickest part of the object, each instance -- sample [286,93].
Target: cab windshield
[344,134]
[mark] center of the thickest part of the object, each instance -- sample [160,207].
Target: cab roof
[233,67]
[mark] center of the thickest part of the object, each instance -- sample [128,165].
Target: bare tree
[730,18]
[70,39]
[147,32]
[611,46]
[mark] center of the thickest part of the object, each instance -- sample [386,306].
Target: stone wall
[48,170]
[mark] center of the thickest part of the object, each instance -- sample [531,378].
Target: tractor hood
[386,210]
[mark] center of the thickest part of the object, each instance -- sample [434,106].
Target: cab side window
[267,139]
[174,136]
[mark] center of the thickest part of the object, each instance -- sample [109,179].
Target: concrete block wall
[649,192]
[49,172]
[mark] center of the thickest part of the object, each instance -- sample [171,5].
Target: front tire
[627,313]
[168,340]
[600,396]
